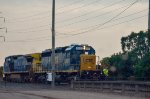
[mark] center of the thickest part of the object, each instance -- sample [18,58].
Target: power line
[130,14]
[39,14]
[70,10]
[137,0]
[71,23]
[75,22]
[77,30]
[110,26]
[14,19]
[43,18]
[65,20]
[21,41]
[106,27]
[123,22]
[30,31]
[34,39]
[79,1]
[99,9]
[22,30]
[30,39]
[99,25]
[30,16]
[93,18]
[26,20]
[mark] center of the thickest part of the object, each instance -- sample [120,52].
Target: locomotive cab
[87,62]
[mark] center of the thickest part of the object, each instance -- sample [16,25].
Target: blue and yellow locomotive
[71,62]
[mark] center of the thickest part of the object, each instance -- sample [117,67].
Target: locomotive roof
[73,47]
[58,49]
[64,49]
[13,56]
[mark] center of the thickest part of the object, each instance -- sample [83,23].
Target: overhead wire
[23,19]
[31,19]
[121,12]
[41,13]
[35,18]
[30,16]
[75,30]
[65,26]
[94,17]
[22,30]
[99,25]
[37,14]
[93,11]
[123,22]
[110,26]
[29,40]
[84,14]
[88,13]
[47,37]
[70,10]
[78,1]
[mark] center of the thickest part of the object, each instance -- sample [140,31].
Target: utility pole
[3,37]
[4,22]
[3,27]
[53,43]
[149,18]
[3,18]
[149,28]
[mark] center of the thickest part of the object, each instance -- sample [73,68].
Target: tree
[136,43]
[105,62]
[137,46]
[142,69]
[121,63]
[135,57]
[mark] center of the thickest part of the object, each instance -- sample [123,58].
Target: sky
[98,23]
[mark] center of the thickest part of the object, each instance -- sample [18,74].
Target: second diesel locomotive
[71,63]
